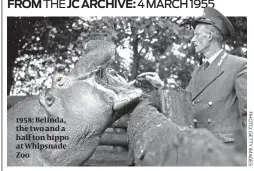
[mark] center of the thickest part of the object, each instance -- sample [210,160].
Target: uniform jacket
[219,95]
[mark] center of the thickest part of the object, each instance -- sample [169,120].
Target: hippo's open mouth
[124,93]
[110,79]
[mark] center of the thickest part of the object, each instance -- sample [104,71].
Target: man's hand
[152,77]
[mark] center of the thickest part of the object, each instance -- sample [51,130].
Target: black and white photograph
[127,90]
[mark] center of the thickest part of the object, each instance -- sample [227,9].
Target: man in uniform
[219,85]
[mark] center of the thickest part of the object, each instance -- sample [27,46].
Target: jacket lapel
[210,74]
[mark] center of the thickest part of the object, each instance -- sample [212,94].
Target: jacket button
[210,103]
[193,103]
[209,120]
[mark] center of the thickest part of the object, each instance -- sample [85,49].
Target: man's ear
[210,36]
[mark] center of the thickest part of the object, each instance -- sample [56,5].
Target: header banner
[110,3]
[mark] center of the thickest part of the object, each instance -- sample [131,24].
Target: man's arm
[241,92]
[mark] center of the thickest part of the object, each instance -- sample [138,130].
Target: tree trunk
[155,140]
[174,104]
[136,58]
[12,53]
[13,42]
[9,78]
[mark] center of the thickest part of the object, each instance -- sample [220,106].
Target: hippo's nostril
[49,100]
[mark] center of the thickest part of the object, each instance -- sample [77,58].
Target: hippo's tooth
[122,79]
[120,102]
[136,94]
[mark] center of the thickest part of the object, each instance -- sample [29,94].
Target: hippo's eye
[60,81]
[49,100]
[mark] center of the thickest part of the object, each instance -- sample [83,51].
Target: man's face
[200,39]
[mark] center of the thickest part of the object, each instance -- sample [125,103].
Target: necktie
[206,65]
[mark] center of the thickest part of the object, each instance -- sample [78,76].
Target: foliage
[40,46]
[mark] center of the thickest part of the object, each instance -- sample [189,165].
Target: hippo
[62,126]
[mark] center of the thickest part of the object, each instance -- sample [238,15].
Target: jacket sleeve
[241,92]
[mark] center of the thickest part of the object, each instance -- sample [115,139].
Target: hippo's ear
[123,101]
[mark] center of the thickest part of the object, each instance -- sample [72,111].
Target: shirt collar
[212,58]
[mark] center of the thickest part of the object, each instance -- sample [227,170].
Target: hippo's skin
[88,103]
